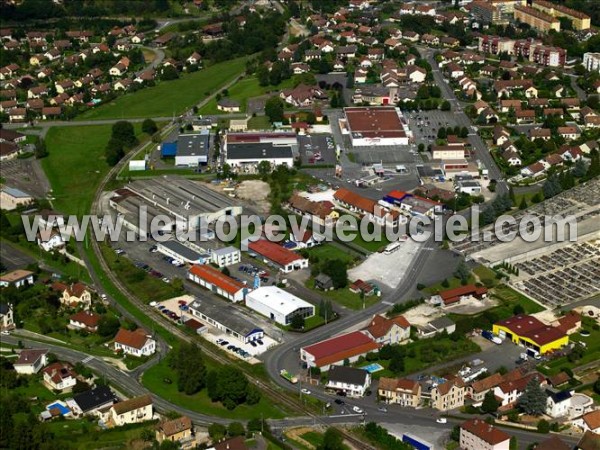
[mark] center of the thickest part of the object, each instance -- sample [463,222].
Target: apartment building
[580,20]
[400,391]
[536,19]
[591,61]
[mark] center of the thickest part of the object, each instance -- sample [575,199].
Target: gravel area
[255,192]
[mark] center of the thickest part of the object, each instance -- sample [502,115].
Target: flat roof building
[188,201]
[536,19]
[377,126]
[226,318]
[278,305]
[192,149]
[185,253]
[247,150]
[227,256]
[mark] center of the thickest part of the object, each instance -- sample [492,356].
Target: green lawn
[243,90]
[453,282]
[511,297]
[76,164]
[485,275]
[373,246]
[146,287]
[170,97]
[346,298]
[425,353]
[259,123]
[154,378]
[328,252]
[85,434]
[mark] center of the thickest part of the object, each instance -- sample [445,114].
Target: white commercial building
[591,61]
[227,256]
[246,150]
[192,149]
[375,126]
[278,305]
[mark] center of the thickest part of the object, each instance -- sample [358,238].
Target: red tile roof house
[59,376]
[286,260]
[216,281]
[456,295]
[85,320]
[335,350]
[135,343]
[478,435]
[388,331]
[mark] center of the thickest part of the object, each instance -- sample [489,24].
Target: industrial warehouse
[186,200]
[531,333]
[278,305]
[246,150]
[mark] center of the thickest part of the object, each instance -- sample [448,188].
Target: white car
[441,420]
[103,296]
[5,333]
[356,409]
[166,280]
[153,304]
[305,391]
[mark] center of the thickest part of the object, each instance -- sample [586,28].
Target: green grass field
[328,252]
[154,378]
[344,297]
[76,164]
[85,434]
[259,123]
[170,97]
[243,90]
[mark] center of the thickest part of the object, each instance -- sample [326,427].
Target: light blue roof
[14,192]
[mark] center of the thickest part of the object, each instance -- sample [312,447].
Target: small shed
[323,282]
[136,165]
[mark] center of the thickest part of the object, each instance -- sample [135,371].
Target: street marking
[87,360]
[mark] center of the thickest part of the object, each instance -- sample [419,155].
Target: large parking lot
[425,124]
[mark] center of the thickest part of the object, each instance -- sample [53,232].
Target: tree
[124,132]
[513,444]
[274,109]
[216,431]
[169,73]
[41,151]
[297,322]
[462,272]
[523,204]
[108,326]
[332,440]
[533,400]
[80,386]
[114,152]
[236,429]
[543,426]
[518,309]
[149,126]
[441,133]
[264,168]
[597,386]
[490,403]
[579,168]
[338,272]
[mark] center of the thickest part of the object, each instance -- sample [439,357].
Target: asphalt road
[462,119]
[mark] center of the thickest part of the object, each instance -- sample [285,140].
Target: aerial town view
[300,224]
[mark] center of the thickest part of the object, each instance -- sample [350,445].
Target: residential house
[229,105]
[50,240]
[178,430]
[236,443]
[74,295]
[30,361]
[510,390]
[334,351]
[350,380]
[85,320]
[194,59]
[60,376]
[135,343]
[448,395]
[97,399]
[134,410]
[512,157]
[7,318]
[589,422]
[17,278]
[399,391]
[17,115]
[51,112]
[540,133]
[388,330]
[569,132]
[302,96]
[479,388]
[589,441]
[501,135]
[477,434]
[323,282]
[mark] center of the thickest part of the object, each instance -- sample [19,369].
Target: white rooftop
[278,300]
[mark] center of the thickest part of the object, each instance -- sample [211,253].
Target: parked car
[441,420]
[260,342]
[305,391]
[357,410]
[253,344]
[223,343]
[339,401]
[382,409]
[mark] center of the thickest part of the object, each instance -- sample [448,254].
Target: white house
[30,361]
[135,410]
[278,305]
[135,343]
[227,256]
[389,331]
[50,241]
[589,422]
[352,381]
[17,278]
[7,318]
[59,376]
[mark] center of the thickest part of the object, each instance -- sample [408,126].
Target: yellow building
[529,332]
[536,19]
[580,20]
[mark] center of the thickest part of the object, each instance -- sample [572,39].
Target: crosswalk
[87,360]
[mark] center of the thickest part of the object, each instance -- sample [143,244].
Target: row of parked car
[232,348]
[152,272]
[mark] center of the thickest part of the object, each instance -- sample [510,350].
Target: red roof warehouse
[457,294]
[285,259]
[335,350]
[216,281]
